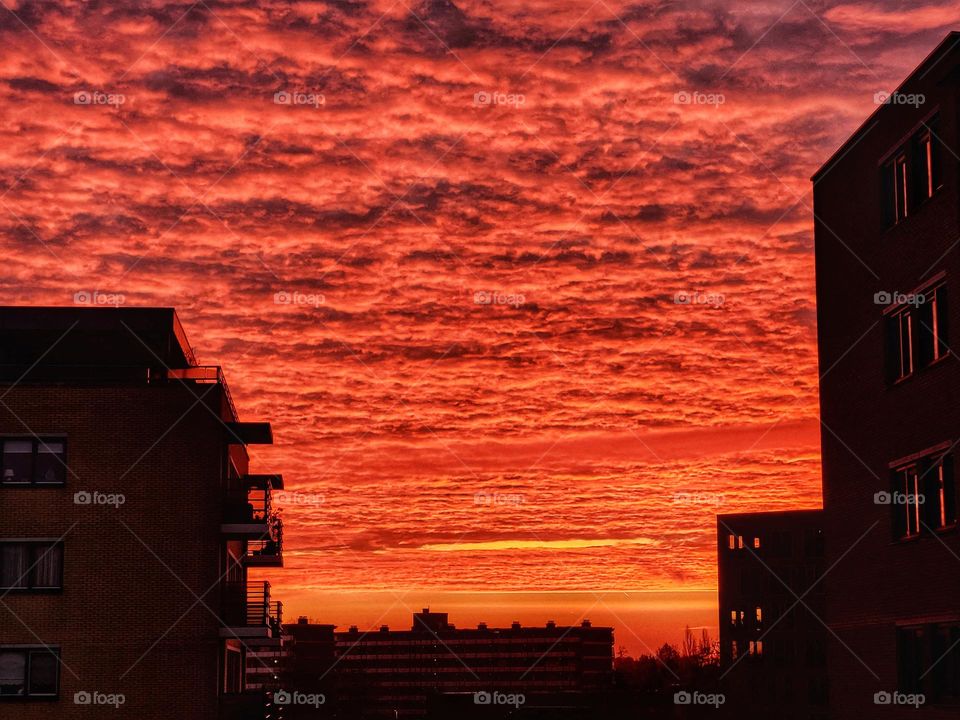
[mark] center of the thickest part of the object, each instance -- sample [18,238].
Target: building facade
[128,521]
[772,640]
[435,666]
[887,223]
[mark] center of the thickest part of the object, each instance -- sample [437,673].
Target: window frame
[28,652]
[36,442]
[32,545]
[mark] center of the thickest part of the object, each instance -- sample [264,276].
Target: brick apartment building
[128,520]
[433,669]
[772,648]
[887,225]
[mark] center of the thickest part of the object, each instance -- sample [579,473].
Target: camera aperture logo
[98,498]
[496,297]
[96,97]
[295,297]
[496,498]
[98,698]
[697,297]
[499,698]
[695,97]
[101,299]
[494,97]
[898,298]
[699,698]
[898,498]
[299,97]
[292,697]
[897,98]
[914,700]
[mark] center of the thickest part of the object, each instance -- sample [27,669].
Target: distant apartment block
[772,640]
[410,673]
[887,225]
[129,518]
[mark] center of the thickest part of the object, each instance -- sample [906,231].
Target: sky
[526,289]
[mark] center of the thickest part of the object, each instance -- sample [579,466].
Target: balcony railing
[249,605]
[267,551]
[253,505]
[205,374]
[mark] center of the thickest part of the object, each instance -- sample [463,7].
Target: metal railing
[254,505]
[249,605]
[205,374]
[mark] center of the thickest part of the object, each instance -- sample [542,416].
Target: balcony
[248,515]
[267,552]
[248,612]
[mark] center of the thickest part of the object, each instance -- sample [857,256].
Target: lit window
[756,647]
[901,336]
[733,541]
[906,501]
[756,543]
[933,325]
[27,461]
[733,617]
[759,614]
[940,493]
[740,541]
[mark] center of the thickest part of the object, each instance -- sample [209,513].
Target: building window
[932,330]
[29,672]
[756,647]
[740,542]
[759,614]
[756,543]
[906,501]
[901,336]
[31,566]
[912,175]
[732,541]
[939,491]
[33,461]
[233,671]
[909,659]
[946,671]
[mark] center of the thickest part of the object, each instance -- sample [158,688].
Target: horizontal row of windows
[29,672]
[33,461]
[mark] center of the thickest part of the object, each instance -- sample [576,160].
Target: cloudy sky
[526,289]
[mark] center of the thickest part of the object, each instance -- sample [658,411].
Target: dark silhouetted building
[128,521]
[772,640]
[887,225]
[436,668]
